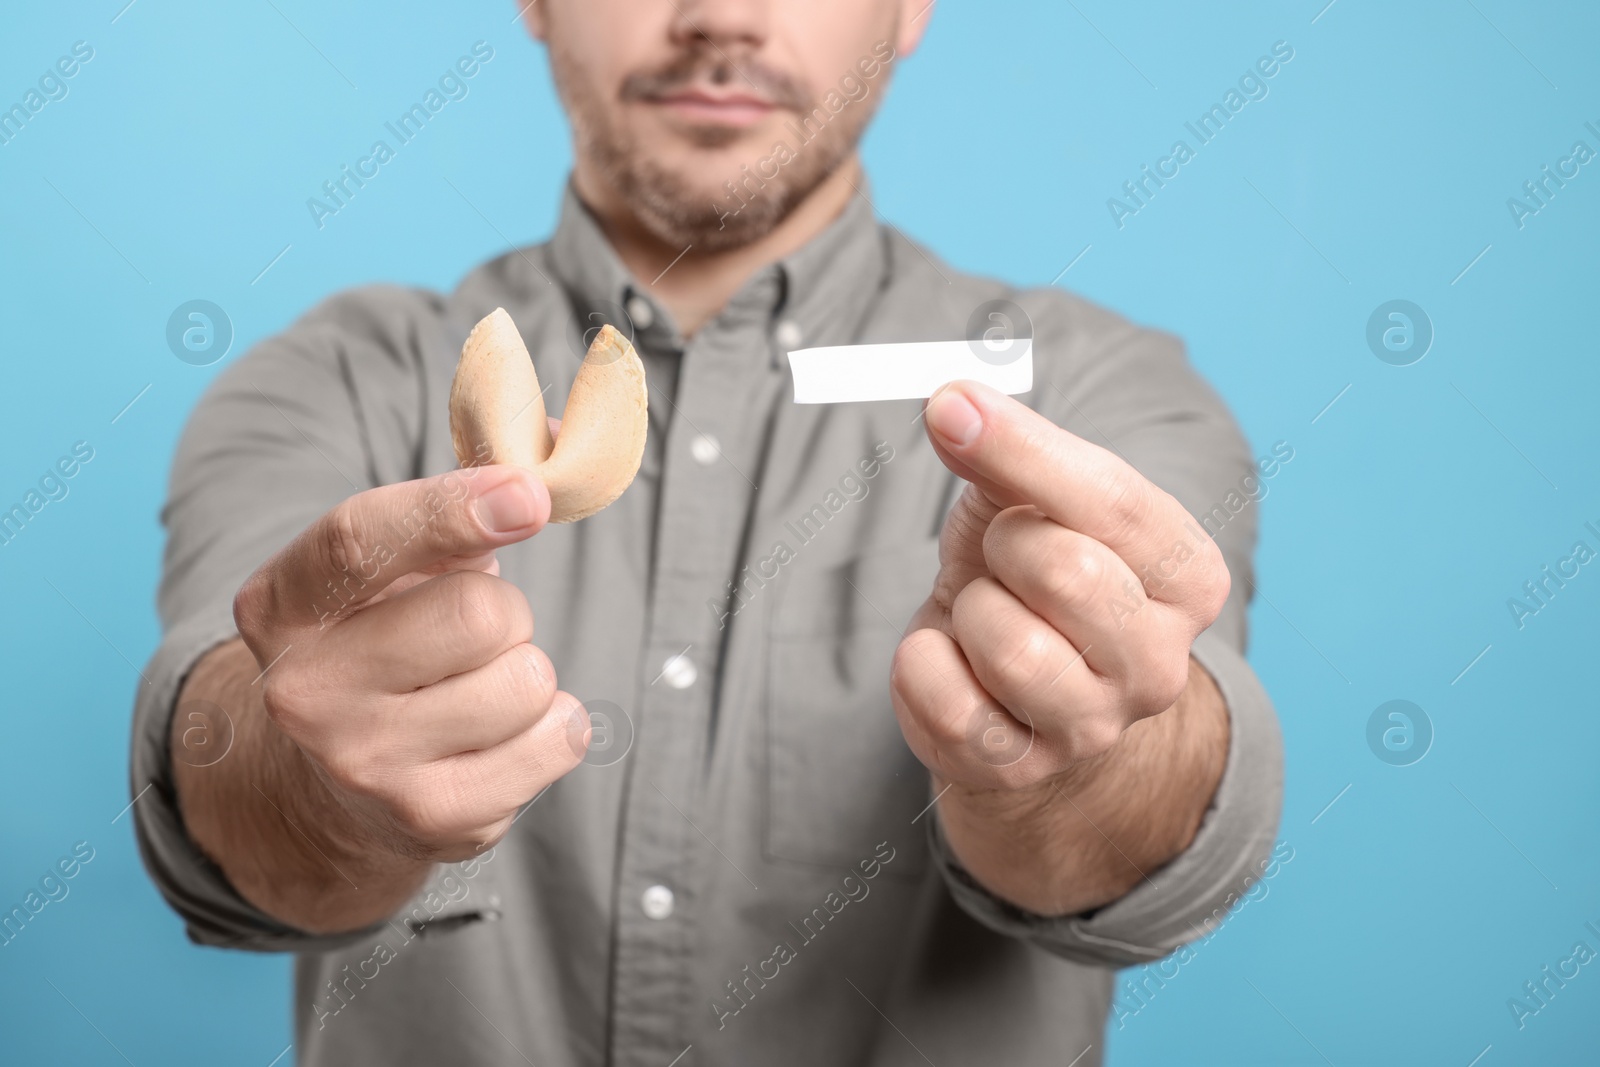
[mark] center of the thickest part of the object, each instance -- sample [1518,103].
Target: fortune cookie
[497,416]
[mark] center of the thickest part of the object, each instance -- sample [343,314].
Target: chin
[702,176]
[701,173]
[714,186]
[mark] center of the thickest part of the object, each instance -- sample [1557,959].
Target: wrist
[1092,832]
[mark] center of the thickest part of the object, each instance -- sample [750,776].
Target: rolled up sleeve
[1189,896]
[1133,391]
[278,438]
[213,912]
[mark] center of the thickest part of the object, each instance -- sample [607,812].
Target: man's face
[713,118]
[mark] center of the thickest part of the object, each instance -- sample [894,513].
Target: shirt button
[787,334]
[657,902]
[679,671]
[705,449]
[640,311]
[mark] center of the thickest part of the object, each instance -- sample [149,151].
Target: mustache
[706,66]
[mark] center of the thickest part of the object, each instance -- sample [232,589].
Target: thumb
[374,538]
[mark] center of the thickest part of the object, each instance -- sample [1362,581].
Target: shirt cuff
[1191,895]
[213,911]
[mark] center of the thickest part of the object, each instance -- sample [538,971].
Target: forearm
[286,842]
[1089,835]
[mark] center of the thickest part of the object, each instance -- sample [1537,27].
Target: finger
[1080,588]
[446,625]
[961,544]
[368,541]
[486,562]
[473,790]
[1017,456]
[378,747]
[1034,672]
[479,709]
[953,726]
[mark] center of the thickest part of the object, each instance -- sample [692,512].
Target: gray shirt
[744,870]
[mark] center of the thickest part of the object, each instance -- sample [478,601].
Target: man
[739,798]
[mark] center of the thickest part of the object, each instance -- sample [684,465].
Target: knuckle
[1087,739]
[1161,684]
[954,718]
[914,655]
[429,811]
[900,670]
[1023,775]
[477,613]
[1175,681]
[1038,438]
[1129,499]
[1094,737]
[413,810]
[1076,578]
[941,711]
[352,772]
[252,605]
[341,534]
[969,517]
[516,691]
[531,680]
[287,700]
[1021,656]
[1218,584]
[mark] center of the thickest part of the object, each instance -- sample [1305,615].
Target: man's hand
[422,701]
[1070,591]
[401,715]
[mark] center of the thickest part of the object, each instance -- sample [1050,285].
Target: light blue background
[1378,167]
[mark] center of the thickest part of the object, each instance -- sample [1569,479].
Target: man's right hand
[395,713]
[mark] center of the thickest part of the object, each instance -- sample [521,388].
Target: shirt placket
[712,449]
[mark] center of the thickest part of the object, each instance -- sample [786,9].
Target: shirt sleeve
[305,419]
[1133,391]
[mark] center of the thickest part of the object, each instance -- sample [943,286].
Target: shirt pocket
[456,897]
[840,777]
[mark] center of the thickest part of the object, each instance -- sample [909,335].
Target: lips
[700,107]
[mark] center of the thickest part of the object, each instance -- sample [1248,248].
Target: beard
[685,209]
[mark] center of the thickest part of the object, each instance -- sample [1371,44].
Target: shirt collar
[817,295]
[830,283]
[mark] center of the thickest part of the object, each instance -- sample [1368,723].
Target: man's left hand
[1069,593]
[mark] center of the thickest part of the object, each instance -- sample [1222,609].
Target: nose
[726,25]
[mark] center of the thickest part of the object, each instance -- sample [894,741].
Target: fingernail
[954,418]
[507,507]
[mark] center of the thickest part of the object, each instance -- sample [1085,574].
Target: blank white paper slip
[843,374]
